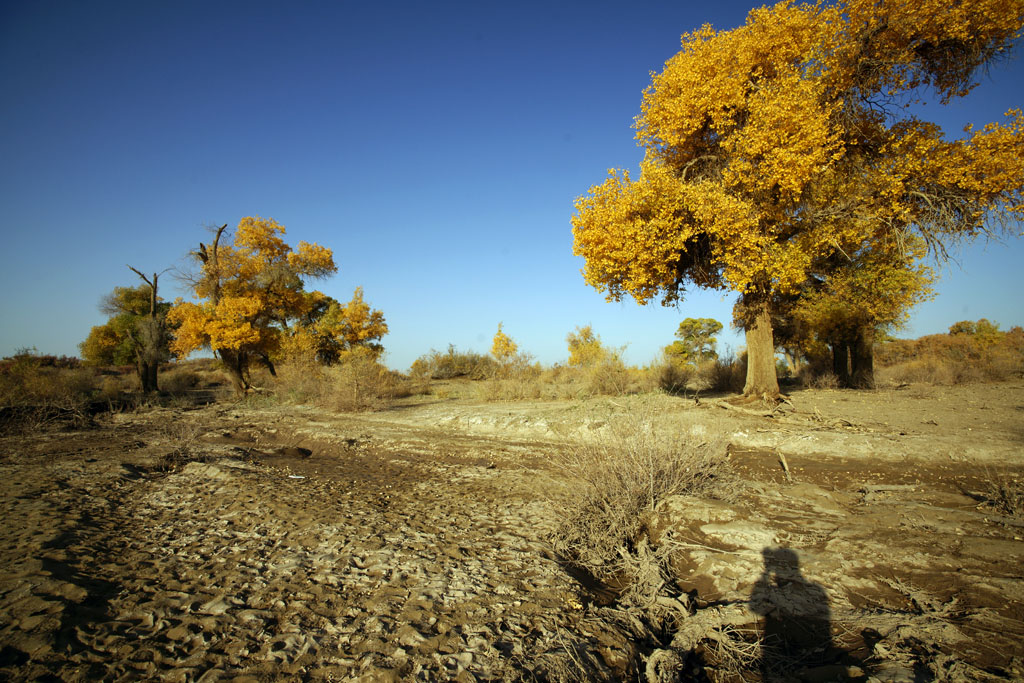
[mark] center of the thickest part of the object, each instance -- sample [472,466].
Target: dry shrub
[358,383]
[519,379]
[923,371]
[675,379]
[300,379]
[614,484]
[178,380]
[1004,492]
[184,446]
[454,363]
[820,380]
[42,391]
[726,374]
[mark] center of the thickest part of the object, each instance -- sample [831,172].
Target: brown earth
[234,542]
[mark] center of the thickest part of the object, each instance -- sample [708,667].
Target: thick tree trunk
[147,376]
[841,361]
[863,360]
[234,363]
[762,380]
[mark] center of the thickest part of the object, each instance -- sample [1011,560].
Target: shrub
[453,364]
[362,383]
[178,380]
[726,374]
[39,391]
[615,483]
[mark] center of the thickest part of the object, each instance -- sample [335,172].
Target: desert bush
[511,389]
[820,380]
[183,446]
[179,380]
[615,483]
[39,391]
[361,383]
[454,363]
[725,374]
[608,376]
[1004,492]
[674,378]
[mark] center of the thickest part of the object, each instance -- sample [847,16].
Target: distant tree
[984,331]
[585,347]
[136,333]
[696,341]
[502,347]
[963,327]
[250,292]
[341,330]
[775,147]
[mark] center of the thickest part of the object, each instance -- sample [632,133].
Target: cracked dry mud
[410,544]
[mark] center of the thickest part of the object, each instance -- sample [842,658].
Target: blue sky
[435,147]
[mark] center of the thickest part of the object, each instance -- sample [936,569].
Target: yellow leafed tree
[585,347]
[250,292]
[502,347]
[782,145]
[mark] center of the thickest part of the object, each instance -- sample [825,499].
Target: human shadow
[797,619]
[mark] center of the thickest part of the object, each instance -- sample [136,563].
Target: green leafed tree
[696,341]
[137,332]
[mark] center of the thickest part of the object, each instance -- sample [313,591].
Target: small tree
[585,347]
[331,331]
[136,333]
[696,341]
[503,348]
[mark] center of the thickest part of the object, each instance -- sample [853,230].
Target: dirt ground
[247,543]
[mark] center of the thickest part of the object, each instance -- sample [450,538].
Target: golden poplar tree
[776,146]
[503,348]
[249,291]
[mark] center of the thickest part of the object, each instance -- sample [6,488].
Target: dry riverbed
[233,542]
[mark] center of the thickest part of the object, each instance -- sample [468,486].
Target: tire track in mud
[376,565]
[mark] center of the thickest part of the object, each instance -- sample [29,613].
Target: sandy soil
[290,543]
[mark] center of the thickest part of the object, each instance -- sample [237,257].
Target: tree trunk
[841,361]
[234,363]
[147,376]
[863,360]
[762,381]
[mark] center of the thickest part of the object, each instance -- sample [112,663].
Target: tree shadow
[797,619]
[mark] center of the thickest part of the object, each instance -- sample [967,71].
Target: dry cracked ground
[233,542]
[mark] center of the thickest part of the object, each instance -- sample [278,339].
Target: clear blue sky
[435,147]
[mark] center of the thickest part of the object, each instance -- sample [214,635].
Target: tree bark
[841,361]
[863,360]
[762,380]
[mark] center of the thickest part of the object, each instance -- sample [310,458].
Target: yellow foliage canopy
[771,146]
[502,346]
[250,292]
